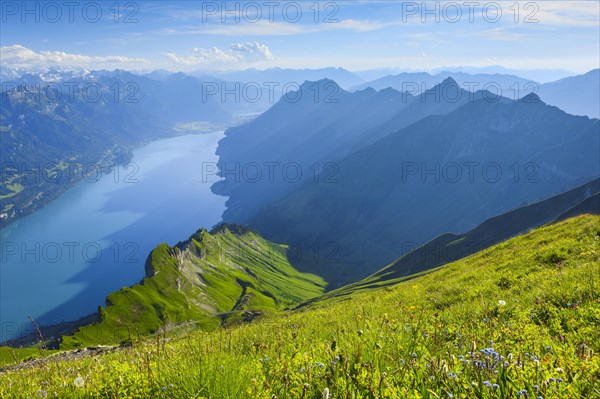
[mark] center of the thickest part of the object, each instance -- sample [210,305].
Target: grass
[518,320]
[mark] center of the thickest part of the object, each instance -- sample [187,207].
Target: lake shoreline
[106,163]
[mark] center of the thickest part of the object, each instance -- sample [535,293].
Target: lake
[59,263]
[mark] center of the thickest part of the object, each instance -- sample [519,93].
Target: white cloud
[251,52]
[247,52]
[17,56]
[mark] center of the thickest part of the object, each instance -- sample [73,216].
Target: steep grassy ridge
[216,278]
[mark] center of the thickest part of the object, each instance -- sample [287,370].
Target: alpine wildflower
[79,382]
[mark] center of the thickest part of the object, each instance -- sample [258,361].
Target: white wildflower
[79,382]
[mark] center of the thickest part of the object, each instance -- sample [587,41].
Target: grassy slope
[210,279]
[451,247]
[534,299]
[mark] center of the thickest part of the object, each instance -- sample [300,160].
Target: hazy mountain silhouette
[444,173]
[309,131]
[577,95]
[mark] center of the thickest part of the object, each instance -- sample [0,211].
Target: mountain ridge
[222,277]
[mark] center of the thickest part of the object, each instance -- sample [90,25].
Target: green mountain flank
[219,278]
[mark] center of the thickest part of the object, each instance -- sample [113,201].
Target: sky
[356,35]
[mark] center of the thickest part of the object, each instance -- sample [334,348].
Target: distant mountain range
[444,173]
[311,134]
[509,86]
[577,95]
[536,75]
